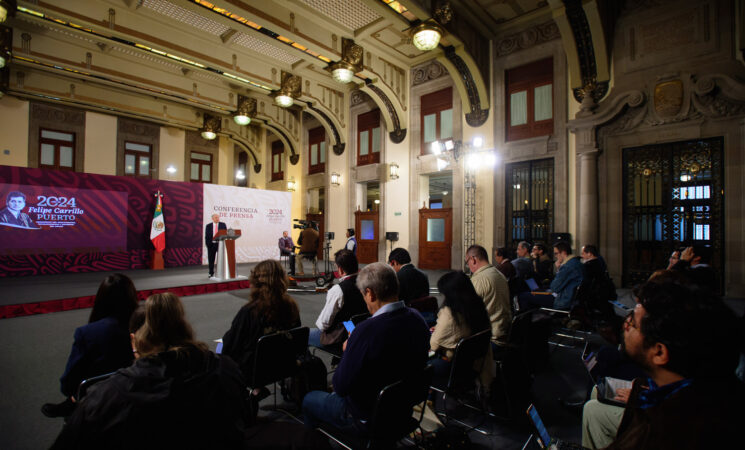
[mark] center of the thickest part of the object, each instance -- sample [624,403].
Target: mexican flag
[158,230]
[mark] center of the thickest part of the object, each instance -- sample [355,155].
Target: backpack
[310,377]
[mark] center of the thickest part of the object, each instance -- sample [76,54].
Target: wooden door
[366,231]
[319,219]
[435,238]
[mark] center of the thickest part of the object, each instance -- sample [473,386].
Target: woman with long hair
[177,394]
[268,310]
[462,315]
[101,346]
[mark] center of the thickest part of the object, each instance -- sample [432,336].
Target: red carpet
[67,304]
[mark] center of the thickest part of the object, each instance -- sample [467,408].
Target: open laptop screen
[532,284]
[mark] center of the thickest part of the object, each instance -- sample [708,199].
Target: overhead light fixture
[6,44]
[376,201]
[394,171]
[288,91]
[335,179]
[426,36]
[291,185]
[477,142]
[171,169]
[210,127]
[350,63]
[239,175]
[7,8]
[246,110]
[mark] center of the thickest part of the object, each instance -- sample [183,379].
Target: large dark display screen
[52,219]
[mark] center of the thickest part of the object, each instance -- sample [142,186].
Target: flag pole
[156,262]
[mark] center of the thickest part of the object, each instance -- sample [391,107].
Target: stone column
[588,199]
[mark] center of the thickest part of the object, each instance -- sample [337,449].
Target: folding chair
[88,382]
[277,357]
[462,378]
[392,417]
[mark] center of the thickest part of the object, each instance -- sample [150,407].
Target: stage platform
[62,292]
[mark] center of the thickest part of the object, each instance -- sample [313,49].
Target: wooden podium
[226,254]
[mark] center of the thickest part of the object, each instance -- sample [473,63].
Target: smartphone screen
[349,325]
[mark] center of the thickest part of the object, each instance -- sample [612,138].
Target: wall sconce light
[239,175]
[7,8]
[394,171]
[6,44]
[291,185]
[350,63]
[426,36]
[289,90]
[211,126]
[335,179]
[246,110]
[171,169]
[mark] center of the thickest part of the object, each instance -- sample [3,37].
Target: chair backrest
[391,417]
[277,356]
[88,382]
[359,318]
[424,304]
[468,350]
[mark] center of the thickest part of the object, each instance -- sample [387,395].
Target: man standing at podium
[209,234]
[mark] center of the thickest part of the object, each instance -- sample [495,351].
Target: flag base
[156,263]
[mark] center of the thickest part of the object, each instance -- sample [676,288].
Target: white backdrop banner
[261,216]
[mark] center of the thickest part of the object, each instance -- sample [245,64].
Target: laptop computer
[543,439]
[532,284]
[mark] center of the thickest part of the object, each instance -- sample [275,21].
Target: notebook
[543,438]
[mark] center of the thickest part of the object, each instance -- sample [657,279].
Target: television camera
[304,224]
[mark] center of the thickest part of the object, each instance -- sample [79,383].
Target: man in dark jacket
[389,346]
[343,301]
[689,347]
[209,234]
[413,283]
[694,263]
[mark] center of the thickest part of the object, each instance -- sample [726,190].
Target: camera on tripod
[304,224]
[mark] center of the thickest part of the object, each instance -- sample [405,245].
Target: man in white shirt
[351,244]
[343,301]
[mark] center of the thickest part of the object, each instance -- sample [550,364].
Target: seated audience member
[569,275]
[689,347]
[462,315]
[523,265]
[270,309]
[674,258]
[101,346]
[412,282]
[597,288]
[694,264]
[343,301]
[492,287]
[504,265]
[308,242]
[389,346]
[287,248]
[177,394]
[543,267]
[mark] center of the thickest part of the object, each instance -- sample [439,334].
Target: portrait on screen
[12,215]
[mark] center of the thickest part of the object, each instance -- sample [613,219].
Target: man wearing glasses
[688,346]
[491,286]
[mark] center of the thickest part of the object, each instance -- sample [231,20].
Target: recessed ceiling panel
[353,14]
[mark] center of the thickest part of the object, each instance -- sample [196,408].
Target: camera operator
[308,242]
